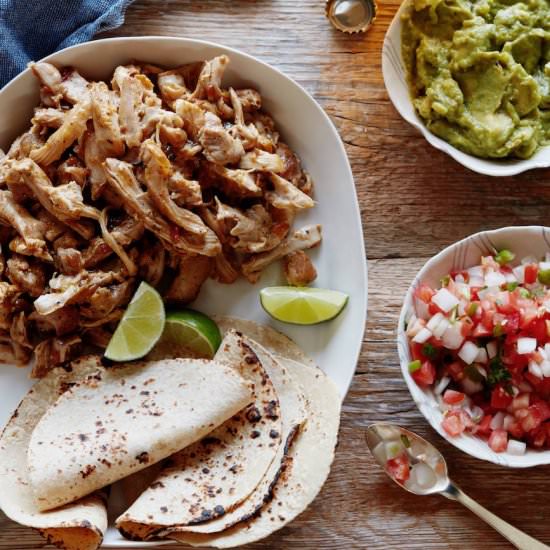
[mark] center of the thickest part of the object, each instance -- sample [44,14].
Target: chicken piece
[122,179]
[7,355]
[65,202]
[67,240]
[210,79]
[151,263]
[192,115]
[69,85]
[71,289]
[218,144]
[262,160]
[237,182]
[223,270]
[61,321]
[110,319]
[74,125]
[106,299]
[250,99]
[299,269]
[53,352]
[172,86]
[268,137]
[98,336]
[155,116]
[176,137]
[192,272]
[20,191]
[286,196]
[131,104]
[8,296]
[293,169]
[30,229]
[48,117]
[19,330]
[105,119]
[304,238]
[184,192]
[94,159]
[125,233]
[26,274]
[69,261]
[158,172]
[250,231]
[247,133]
[72,170]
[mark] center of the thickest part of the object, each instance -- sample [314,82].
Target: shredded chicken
[162,175]
[299,269]
[304,238]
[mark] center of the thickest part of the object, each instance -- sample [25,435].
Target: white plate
[395,79]
[340,260]
[523,241]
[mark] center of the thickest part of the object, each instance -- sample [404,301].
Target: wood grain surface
[414,201]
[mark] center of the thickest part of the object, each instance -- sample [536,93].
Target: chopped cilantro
[524,293]
[405,441]
[429,351]
[512,286]
[498,372]
[445,280]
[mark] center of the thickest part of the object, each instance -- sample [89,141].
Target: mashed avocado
[479,73]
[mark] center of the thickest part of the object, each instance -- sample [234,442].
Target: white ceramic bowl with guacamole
[524,241]
[395,79]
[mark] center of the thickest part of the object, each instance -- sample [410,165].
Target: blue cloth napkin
[32,29]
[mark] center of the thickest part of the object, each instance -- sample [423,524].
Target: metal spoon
[423,455]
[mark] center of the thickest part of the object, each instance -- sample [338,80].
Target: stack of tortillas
[232,449]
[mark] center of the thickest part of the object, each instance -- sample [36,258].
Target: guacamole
[479,73]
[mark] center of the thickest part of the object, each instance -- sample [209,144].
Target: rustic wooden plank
[414,201]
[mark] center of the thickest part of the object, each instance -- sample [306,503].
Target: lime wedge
[140,326]
[302,305]
[191,331]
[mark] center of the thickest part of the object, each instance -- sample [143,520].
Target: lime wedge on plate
[191,330]
[302,305]
[140,326]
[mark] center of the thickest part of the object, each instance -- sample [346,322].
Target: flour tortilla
[78,526]
[121,420]
[311,457]
[212,477]
[293,412]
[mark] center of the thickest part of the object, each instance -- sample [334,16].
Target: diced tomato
[466,327]
[452,397]
[398,468]
[481,331]
[531,420]
[424,293]
[425,375]
[484,427]
[456,371]
[531,272]
[498,441]
[512,322]
[487,318]
[500,398]
[453,423]
[537,329]
[433,309]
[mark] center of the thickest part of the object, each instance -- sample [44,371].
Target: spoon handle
[518,538]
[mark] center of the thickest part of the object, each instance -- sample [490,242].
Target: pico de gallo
[481,341]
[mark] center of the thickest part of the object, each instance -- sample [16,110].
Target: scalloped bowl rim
[424,399]
[394,76]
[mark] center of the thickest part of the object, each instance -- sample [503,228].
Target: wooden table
[414,201]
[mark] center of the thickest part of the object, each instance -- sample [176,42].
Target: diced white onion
[545,368]
[393,449]
[526,345]
[452,337]
[421,309]
[414,328]
[468,352]
[379,453]
[508,421]
[516,447]
[442,385]
[542,352]
[463,290]
[488,292]
[494,278]
[476,271]
[441,328]
[423,476]
[462,308]
[510,278]
[544,265]
[434,321]
[476,413]
[519,273]
[444,300]
[547,350]
[535,369]
[497,422]
[459,278]
[476,282]
[519,402]
[503,298]
[481,371]
[481,356]
[492,349]
[423,336]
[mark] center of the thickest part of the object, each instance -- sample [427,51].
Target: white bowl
[395,79]
[303,124]
[524,241]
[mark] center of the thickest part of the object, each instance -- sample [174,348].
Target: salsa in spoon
[420,468]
